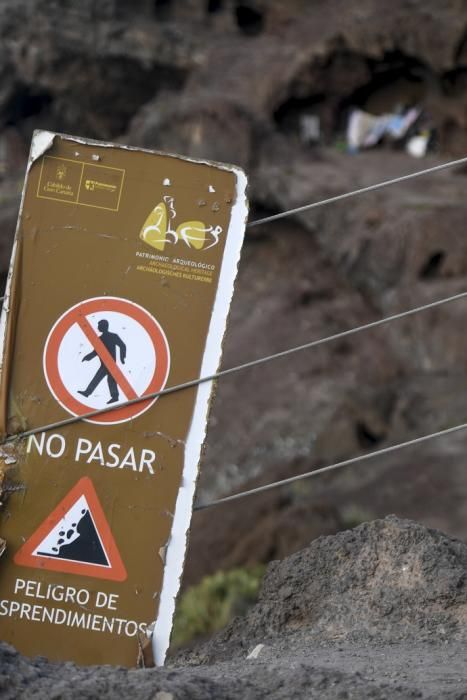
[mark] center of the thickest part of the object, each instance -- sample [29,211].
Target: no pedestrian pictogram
[75,538]
[106,350]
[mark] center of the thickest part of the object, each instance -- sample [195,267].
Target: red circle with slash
[78,315]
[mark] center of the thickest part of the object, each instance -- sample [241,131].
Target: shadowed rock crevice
[460,51]
[433,265]
[249,19]
[214,6]
[366,437]
[163,10]
[109,107]
[25,102]
[396,79]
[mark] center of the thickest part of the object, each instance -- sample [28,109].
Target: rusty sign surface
[120,283]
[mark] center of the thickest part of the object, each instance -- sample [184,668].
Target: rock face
[376,612]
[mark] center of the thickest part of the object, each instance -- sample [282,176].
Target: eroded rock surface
[386,580]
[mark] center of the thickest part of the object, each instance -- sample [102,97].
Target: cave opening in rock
[163,9]
[310,295]
[432,267]
[96,104]
[288,116]
[249,20]
[306,297]
[213,6]
[365,436]
[25,102]
[396,81]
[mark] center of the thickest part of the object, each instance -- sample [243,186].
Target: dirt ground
[432,671]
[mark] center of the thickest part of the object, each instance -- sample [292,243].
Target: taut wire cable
[331,467]
[237,368]
[356,193]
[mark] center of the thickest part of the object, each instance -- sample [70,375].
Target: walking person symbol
[111,342]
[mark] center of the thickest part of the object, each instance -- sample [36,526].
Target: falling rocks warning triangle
[75,538]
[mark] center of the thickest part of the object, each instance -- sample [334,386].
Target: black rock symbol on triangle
[86,548]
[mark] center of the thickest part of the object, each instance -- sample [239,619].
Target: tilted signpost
[120,284]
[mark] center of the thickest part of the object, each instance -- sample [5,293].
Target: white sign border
[176,549]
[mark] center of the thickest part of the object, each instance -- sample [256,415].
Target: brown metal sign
[120,284]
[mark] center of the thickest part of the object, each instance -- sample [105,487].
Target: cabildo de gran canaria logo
[157,230]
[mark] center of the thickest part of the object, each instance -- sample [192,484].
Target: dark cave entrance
[250,20]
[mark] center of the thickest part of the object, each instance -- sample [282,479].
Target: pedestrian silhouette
[111,341]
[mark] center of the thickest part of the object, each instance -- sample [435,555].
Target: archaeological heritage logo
[158,231]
